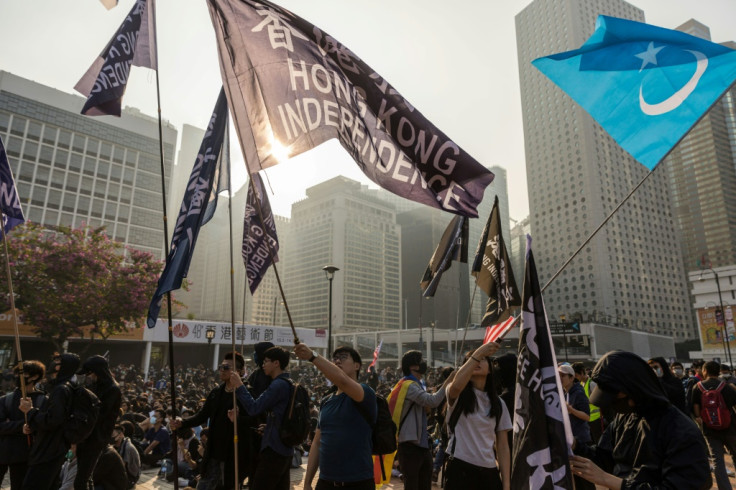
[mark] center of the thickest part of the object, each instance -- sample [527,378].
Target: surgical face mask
[658,372]
[153,419]
[678,372]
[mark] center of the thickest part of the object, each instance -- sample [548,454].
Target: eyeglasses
[342,356]
[224,367]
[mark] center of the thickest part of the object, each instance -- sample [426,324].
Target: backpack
[296,423]
[84,408]
[713,411]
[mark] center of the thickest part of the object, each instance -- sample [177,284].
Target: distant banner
[711,329]
[291,87]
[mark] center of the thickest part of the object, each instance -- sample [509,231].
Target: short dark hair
[725,368]
[712,368]
[675,364]
[697,364]
[578,367]
[239,361]
[279,354]
[353,353]
[31,368]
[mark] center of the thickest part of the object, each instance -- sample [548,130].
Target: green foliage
[67,279]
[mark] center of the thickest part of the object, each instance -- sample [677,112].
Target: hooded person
[650,443]
[672,386]
[99,379]
[49,447]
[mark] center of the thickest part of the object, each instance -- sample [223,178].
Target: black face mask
[621,405]
[422,368]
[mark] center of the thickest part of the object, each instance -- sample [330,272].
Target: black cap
[602,398]
[94,364]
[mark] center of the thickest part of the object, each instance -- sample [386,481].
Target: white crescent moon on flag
[674,101]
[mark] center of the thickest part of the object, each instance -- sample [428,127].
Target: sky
[454,61]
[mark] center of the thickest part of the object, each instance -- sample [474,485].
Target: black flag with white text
[542,435]
[453,246]
[197,206]
[256,255]
[133,44]
[493,273]
[291,87]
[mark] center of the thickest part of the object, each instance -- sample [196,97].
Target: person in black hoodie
[49,446]
[649,444]
[672,386]
[256,383]
[13,443]
[99,379]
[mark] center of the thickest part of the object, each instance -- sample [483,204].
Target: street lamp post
[722,321]
[431,343]
[564,335]
[330,273]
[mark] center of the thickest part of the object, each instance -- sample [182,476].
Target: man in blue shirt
[342,444]
[274,460]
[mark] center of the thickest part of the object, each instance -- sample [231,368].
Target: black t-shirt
[729,396]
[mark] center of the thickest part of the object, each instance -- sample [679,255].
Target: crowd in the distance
[634,422]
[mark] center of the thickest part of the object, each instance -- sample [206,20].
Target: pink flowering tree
[78,282]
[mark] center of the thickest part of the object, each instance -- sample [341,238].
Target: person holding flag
[649,443]
[478,422]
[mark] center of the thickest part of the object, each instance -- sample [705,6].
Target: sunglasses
[224,367]
[342,356]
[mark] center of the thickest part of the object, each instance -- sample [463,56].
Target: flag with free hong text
[291,87]
[9,200]
[197,207]
[375,354]
[493,273]
[645,85]
[542,435]
[133,44]
[256,255]
[453,246]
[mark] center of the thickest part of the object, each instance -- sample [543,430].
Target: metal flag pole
[172,369]
[232,296]
[16,332]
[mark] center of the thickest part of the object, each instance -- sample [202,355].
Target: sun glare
[279,151]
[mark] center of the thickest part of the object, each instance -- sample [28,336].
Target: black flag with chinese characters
[256,255]
[542,435]
[197,206]
[291,87]
[133,44]
[453,246]
[493,273]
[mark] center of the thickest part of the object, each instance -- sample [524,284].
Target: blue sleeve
[368,405]
[267,400]
[581,402]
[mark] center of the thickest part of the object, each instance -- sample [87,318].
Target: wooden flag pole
[16,332]
[172,366]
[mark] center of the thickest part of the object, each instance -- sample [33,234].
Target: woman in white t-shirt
[478,449]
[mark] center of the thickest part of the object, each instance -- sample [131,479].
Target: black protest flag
[493,273]
[256,255]
[133,44]
[197,206]
[542,433]
[9,200]
[453,246]
[291,87]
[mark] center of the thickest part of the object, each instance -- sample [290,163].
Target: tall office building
[702,179]
[72,169]
[516,245]
[577,175]
[341,224]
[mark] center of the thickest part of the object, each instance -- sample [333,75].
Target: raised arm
[336,375]
[456,386]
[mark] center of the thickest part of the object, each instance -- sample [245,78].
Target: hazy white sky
[454,61]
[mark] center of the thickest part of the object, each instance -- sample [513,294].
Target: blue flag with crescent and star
[645,85]
[197,206]
[9,200]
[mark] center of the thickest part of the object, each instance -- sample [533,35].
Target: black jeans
[43,476]
[358,485]
[273,471]
[465,476]
[416,466]
[88,452]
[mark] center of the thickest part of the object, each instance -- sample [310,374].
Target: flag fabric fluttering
[9,199]
[291,87]
[542,435]
[645,85]
[375,354]
[453,246]
[133,44]
[197,206]
[493,273]
[255,252]
[494,332]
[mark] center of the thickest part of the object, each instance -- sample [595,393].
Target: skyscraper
[702,179]
[632,270]
[72,169]
[341,224]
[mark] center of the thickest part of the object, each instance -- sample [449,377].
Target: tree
[71,282]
